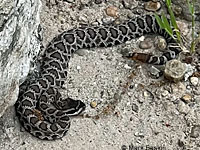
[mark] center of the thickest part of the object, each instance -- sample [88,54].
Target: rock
[18,45]
[152,6]
[174,70]
[194,81]
[112,11]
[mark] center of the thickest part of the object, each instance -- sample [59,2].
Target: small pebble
[135,108]
[146,94]
[126,66]
[160,43]
[117,96]
[93,104]
[81,52]
[130,15]
[112,11]
[98,1]
[155,72]
[165,93]
[146,44]
[117,113]
[152,6]
[84,2]
[198,67]
[78,67]
[195,131]
[187,98]
[83,19]
[177,10]
[184,29]
[194,81]
[180,143]
[174,70]
[130,4]
[107,20]
[183,108]
[189,71]
[70,1]
[139,134]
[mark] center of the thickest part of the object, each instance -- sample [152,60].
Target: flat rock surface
[133,109]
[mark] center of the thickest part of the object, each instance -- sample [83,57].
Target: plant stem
[193,29]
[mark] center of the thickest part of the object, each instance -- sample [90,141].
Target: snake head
[73,107]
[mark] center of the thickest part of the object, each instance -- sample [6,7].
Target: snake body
[40,108]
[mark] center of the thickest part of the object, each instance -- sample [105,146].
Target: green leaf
[190,7]
[173,19]
[168,2]
[166,24]
[159,21]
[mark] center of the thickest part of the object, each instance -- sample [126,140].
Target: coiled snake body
[41,109]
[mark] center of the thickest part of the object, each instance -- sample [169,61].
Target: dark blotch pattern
[56,65]
[69,38]
[60,46]
[54,127]
[51,111]
[132,26]
[80,34]
[114,32]
[43,83]
[92,33]
[28,112]
[57,55]
[27,103]
[35,88]
[103,33]
[123,29]
[34,120]
[140,22]
[30,95]
[43,126]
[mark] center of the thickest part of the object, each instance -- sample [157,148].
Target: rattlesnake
[40,109]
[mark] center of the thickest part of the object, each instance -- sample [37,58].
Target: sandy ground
[134,111]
